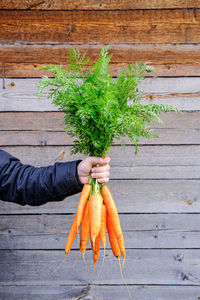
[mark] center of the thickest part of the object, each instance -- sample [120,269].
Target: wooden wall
[157,193]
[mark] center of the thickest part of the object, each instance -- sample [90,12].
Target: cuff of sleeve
[72,184]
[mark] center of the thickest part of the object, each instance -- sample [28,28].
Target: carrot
[82,202]
[102,235]
[96,249]
[71,236]
[102,232]
[112,237]
[112,211]
[95,209]
[85,229]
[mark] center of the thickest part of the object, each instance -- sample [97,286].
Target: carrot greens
[99,108]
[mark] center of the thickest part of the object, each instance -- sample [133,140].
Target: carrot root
[120,267]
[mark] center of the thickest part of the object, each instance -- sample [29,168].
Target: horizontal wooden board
[140,231]
[52,121]
[20,94]
[138,196]
[142,266]
[30,70]
[128,26]
[24,60]
[39,138]
[37,129]
[96,5]
[123,53]
[144,292]
[152,162]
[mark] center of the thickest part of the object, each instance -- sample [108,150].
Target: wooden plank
[123,53]
[138,196]
[39,138]
[163,266]
[152,162]
[30,70]
[52,121]
[23,60]
[140,231]
[128,26]
[20,94]
[37,129]
[144,292]
[95,5]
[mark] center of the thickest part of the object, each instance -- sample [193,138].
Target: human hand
[100,171]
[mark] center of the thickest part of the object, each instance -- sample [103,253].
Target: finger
[99,160]
[103,180]
[101,169]
[101,175]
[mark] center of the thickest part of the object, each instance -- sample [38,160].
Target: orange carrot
[102,232]
[82,202]
[96,249]
[112,237]
[95,209]
[102,235]
[85,229]
[112,211]
[71,236]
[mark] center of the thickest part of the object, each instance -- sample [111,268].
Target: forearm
[24,184]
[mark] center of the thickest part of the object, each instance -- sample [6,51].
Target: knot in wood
[190,201]
[179,257]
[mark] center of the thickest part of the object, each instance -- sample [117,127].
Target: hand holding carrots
[100,171]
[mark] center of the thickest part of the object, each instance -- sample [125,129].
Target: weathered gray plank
[152,162]
[99,292]
[20,94]
[138,196]
[140,231]
[52,121]
[38,129]
[38,138]
[142,266]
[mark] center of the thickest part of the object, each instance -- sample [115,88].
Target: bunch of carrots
[95,213]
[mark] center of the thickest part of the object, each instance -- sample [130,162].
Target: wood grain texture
[24,60]
[138,196]
[152,162]
[128,26]
[39,138]
[52,121]
[97,5]
[123,53]
[144,292]
[45,232]
[30,70]
[20,94]
[37,129]
[163,266]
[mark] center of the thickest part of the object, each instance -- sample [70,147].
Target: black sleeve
[25,184]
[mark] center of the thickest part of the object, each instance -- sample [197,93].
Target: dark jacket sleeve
[25,184]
